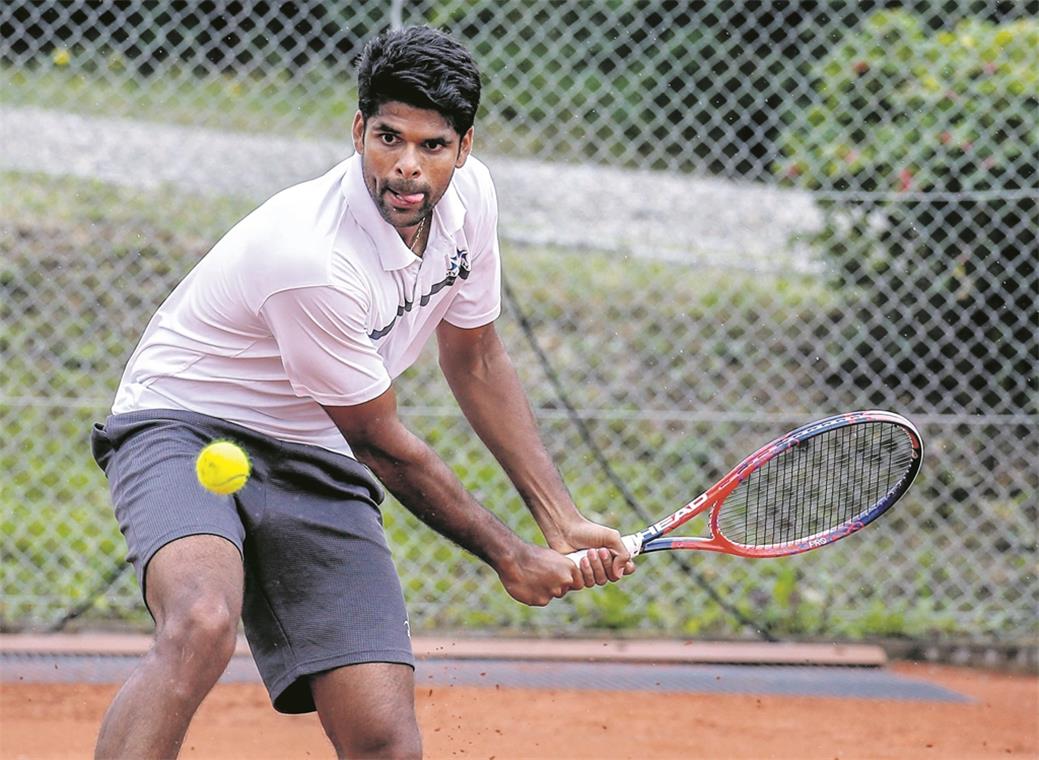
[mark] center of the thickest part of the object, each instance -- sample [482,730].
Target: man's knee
[377,741]
[195,592]
[206,625]
[193,645]
[368,710]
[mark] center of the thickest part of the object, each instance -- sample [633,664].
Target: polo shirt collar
[448,215]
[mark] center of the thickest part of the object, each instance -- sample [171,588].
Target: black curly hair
[422,67]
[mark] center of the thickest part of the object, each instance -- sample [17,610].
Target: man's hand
[535,575]
[608,558]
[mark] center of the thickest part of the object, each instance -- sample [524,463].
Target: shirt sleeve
[324,344]
[478,301]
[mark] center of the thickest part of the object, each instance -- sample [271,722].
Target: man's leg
[194,591]
[368,710]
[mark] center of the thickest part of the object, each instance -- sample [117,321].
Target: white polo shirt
[314,299]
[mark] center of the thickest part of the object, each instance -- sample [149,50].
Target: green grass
[84,264]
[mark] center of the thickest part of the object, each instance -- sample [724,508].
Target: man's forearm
[427,487]
[493,400]
[488,389]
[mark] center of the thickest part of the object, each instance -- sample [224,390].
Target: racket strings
[817,485]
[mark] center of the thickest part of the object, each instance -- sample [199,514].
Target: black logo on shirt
[458,268]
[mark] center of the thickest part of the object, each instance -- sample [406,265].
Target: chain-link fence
[720,220]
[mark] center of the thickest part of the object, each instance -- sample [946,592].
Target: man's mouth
[404,200]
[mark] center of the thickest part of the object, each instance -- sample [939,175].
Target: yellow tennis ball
[222,467]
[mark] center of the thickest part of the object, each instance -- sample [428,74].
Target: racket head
[815,485]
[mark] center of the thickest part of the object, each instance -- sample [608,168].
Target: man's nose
[408,165]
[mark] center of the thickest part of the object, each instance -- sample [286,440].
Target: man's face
[408,156]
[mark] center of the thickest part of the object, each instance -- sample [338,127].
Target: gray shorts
[321,589]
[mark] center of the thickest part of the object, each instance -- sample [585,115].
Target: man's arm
[427,487]
[488,390]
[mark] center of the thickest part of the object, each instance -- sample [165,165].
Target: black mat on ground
[860,683]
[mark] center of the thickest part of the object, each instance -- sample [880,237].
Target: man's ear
[358,132]
[465,147]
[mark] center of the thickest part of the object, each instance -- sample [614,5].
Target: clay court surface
[929,712]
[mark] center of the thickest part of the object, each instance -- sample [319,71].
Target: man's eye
[434,145]
[388,139]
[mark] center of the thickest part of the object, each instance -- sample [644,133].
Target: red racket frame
[654,538]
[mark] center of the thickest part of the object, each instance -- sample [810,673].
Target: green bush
[926,146]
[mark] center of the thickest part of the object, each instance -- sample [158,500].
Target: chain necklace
[418,236]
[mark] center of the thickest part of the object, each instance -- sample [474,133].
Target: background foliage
[664,312]
[931,137]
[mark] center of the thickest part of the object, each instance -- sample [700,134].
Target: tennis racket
[806,489]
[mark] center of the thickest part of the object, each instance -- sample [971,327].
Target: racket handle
[633,541]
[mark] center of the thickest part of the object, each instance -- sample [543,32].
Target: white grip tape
[632,541]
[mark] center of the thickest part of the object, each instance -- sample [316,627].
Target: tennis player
[286,339]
